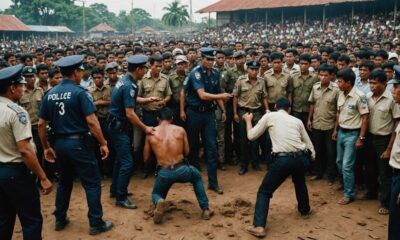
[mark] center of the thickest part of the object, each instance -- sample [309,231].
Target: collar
[352,92]
[248,79]
[5,100]
[149,76]
[330,86]
[99,88]
[67,81]
[282,111]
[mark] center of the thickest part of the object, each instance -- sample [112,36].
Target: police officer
[292,150]
[18,192]
[122,114]
[250,95]
[203,88]
[70,110]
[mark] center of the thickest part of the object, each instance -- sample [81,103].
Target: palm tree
[177,14]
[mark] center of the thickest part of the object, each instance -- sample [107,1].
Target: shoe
[216,189]
[159,211]
[101,228]
[60,225]
[242,171]
[126,204]
[207,214]
[306,215]
[113,195]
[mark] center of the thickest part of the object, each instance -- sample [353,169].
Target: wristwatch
[362,138]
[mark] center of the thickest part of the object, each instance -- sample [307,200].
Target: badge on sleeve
[197,75]
[22,119]
[132,92]
[185,82]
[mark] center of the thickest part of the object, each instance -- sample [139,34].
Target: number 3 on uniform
[61,107]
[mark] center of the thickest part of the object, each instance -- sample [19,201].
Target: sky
[154,7]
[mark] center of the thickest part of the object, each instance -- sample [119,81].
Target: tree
[177,14]
[139,18]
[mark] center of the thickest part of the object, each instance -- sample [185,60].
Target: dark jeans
[279,170]
[74,156]
[394,212]
[249,149]
[19,196]
[123,164]
[326,153]
[204,123]
[183,174]
[377,168]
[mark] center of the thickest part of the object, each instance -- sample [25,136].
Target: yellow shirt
[277,85]
[150,87]
[351,108]
[249,95]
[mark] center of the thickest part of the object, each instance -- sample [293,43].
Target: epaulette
[162,75]
[16,108]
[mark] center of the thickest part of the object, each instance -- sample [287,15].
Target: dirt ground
[234,210]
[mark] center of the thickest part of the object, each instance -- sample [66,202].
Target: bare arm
[265,103]
[364,125]
[310,116]
[205,96]
[42,133]
[146,150]
[185,144]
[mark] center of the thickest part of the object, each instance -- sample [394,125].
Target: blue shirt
[123,96]
[87,83]
[66,106]
[198,79]
[362,87]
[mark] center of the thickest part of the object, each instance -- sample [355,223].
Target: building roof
[12,23]
[54,29]
[235,5]
[102,27]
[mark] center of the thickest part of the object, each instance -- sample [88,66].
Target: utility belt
[348,130]
[172,166]
[251,110]
[115,123]
[87,138]
[202,108]
[305,152]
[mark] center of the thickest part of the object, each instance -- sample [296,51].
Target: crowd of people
[98,109]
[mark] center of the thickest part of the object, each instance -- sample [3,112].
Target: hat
[208,52]
[111,65]
[137,60]
[228,52]
[393,55]
[12,74]
[253,64]
[177,51]
[70,63]
[28,70]
[396,78]
[239,54]
[181,58]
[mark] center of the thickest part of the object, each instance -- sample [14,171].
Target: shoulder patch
[22,118]
[197,75]
[16,108]
[132,92]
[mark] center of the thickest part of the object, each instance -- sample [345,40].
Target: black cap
[70,62]
[28,70]
[396,78]
[12,74]
[253,64]
[208,52]
[138,60]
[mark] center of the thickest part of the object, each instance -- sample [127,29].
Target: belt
[12,164]
[250,110]
[151,111]
[396,171]
[201,108]
[172,166]
[72,136]
[379,136]
[349,130]
[290,154]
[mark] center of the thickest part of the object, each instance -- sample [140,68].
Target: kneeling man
[170,144]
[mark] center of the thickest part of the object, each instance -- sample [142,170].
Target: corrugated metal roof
[12,23]
[41,28]
[234,5]
[102,27]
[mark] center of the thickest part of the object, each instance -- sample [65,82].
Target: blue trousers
[74,156]
[203,123]
[19,196]
[279,170]
[123,164]
[183,174]
[346,157]
[394,212]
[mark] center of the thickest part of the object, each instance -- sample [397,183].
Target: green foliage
[204,23]
[177,15]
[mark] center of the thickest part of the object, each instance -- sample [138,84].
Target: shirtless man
[170,145]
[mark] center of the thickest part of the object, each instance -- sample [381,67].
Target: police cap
[28,70]
[111,65]
[137,60]
[239,54]
[396,78]
[228,52]
[70,63]
[253,64]
[12,74]
[208,52]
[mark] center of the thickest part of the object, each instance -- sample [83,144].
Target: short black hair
[388,64]
[41,67]
[305,57]
[155,58]
[165,114]
[326,68]
[275,56]
[48,55]
[382,53]
[166,55]
[8,55]
[334,56]
[367,64]
[379,75]
[347,75]
[53,71]
[292,50]
[101,57]
[316,56]
[97,70]
[25,56]
[344,58]
[282,103]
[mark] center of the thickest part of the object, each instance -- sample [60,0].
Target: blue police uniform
[65,107]
[200,117]
[123,96]
[18,191]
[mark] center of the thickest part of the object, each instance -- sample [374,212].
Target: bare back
[168,144]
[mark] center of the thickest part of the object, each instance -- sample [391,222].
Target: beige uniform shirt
[103,93]
[395,155]
[325,106]
[150,87]
[14,127]
[31,100]
[176,83]
[351,108]
[249,95]
[382,113]
[287,132]
[300,89]
[277,85]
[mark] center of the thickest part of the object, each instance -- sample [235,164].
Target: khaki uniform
[395,155]
[103,93]
[351,108]
[30,101]
[325,106]
[150,87]
[167,72]
[15,126]
[176,83]
[300,89]
[110,84]
[277,85]
[232,76]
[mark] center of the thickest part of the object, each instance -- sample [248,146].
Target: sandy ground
[234,210]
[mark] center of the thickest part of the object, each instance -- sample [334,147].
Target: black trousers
[326,153]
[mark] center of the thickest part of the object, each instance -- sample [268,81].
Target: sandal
[345,201]
[250,230]
[383,211]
